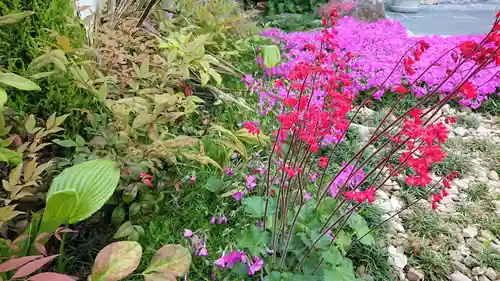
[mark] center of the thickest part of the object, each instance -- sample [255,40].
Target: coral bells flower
[323,162]
[252,127]
[146,179]
[361,196]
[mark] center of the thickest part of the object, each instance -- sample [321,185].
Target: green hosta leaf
[10,156]
[3,98]
[271,55]
[214,184]
[58,207]
[255,205]
[170,260]
[255,240]
[93,182]
[18,82]
[116,261]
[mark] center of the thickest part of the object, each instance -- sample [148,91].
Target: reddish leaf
[116,261]
[20,239]
[40,240]
[31,267]
[15,263]
[50,276]
[63,230]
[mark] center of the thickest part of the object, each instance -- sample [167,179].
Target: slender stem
[60,260]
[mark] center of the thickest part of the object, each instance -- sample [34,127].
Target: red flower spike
[400,89]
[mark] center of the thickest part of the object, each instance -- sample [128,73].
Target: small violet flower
[238,195]
[261,170]
[222,220]
[229,260]
[229,171]
[307,196]
[250,182]
[212,221]
[255,266]
[203,252]
[192,179]
[188,233]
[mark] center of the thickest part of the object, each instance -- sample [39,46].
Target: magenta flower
[188,233]
[250,182]
[229,260]
[192,179]
[307,196]
[229,171]
[261,170]
[203,252]
[238,195]
[212,221]
[222,220]
[256,265]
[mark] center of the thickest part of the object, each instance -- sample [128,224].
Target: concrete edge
[461,7]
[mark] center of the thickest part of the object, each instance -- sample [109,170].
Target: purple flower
[212,221]
[257,154]
[255,266]
[238,195]
[229,171]
[307,196]
[203,252]
[222,220]
[250,182]
[261,170]
[229,260]
[188,233]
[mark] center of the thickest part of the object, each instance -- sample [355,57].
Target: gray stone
[475,245]
[382,195]
[396,226]
[493,175]
[414,274]
[470,232]
[458,276]
[383,206]
[369,10]
[470,262]
[460,131]
[483,278]
[396,259]
[396,204]
[491,274]
[464,108]
[478,271]
[460,267]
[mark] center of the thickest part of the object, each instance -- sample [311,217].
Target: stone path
[441,21]
[460,240]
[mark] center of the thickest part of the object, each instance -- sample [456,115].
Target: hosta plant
[78,192]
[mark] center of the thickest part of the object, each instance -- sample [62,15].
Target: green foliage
[310,243]
[78,192]
[294,22]
[295,6]
[33,35]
